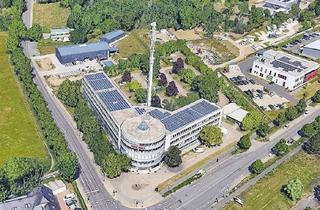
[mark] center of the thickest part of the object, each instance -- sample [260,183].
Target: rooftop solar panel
[113,100]
[204,107]
[100,84]
[172,123]
[95,76]
[140,110]
[188,115]
[158,114]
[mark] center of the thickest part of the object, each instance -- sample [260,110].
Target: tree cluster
[291,113]
[312,131]
[22,66]
[18,176]
[187,75]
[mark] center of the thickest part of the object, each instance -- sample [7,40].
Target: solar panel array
[140,110]
[158,114]
[113,100]
[188,115]
[100,84]
[95,76]
[288,65]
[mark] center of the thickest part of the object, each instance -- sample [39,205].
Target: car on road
[286,126]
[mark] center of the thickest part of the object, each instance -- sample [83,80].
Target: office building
[284,69]
[113,36]
[144,133]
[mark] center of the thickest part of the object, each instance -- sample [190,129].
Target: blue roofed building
[113,36]
[145,133]
[73,53]
[312,49]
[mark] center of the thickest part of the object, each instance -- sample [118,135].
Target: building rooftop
[83,48]
[121,108]
[111,35]
[287,63]
[60,31]
[143,129]
[313,45]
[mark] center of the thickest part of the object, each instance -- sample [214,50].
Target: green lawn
[266,194]
[50,15]
[18,132]
[308,90]
[47,46]
[137,41]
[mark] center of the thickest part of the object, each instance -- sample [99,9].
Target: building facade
[60,34]
[284,69]
[113,36]
[145,133]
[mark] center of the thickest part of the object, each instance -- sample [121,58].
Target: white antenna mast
[152,45]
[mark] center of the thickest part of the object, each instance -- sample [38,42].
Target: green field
[137,41]
[308,90]
[47,46]
[19,135]
[266,194]
[50,15]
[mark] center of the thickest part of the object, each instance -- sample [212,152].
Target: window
[28,205]
[282,76]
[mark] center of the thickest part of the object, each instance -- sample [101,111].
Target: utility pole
[151,61]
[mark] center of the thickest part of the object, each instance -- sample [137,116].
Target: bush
[134,86]
[172,89]
[244,142]
[141,95]
[162,80]
[257,167]
[294,189]
[177,66]
[156,101]
[263,129]
[211,135]
[126,77]
[187,75]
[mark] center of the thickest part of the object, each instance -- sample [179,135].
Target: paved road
[245,67]
[310,201]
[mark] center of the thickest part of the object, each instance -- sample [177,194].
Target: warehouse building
[312,50]
[275,6]
[145,133]
[73,53]
[284,69]
[113,36]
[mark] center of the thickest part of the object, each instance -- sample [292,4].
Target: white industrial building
[60,34]
[275,6]
[312,49]
[144,133]
[234,112]
[284,69]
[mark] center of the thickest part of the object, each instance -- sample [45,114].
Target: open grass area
[47,46]
[309,90]
[266,194]
[19,135]
[137,41]
[50,15]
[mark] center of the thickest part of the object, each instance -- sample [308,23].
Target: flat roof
[83,48]
[238,115]
[313,45]
[229,108]
[289,64]
[60,30]
[112,34]
[121,109]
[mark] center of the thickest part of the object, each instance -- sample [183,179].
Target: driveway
[245,69]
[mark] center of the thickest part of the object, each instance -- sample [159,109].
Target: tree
[187,75]
[35,32]
[291,113]
[281,148]
[69,92]
[209,92]
[134,86]
[141,95]
[317,192]
[280,119]
[178,65]
[172,157]
[312,146]
[4,186]
[316,97]
[244,142]
[162,80]
[251,121]
[112,168]
[295,11]
[156,101]
[172,89]
[126,77]
[301,106]
[78,35]
[263,129]
[68,166]
[211,135]
[294,189]
[256,167]
[308,130]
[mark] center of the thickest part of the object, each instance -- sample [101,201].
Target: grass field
[266,194]
[309,90]
[47,46]
[50,15]
[137,41]
[18,132]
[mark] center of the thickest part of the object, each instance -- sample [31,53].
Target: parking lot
[264,98]
[294,46]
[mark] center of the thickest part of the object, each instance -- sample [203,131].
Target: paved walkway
[310,201]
